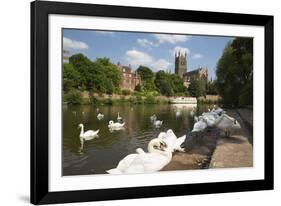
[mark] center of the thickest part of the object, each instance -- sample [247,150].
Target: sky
[154,50]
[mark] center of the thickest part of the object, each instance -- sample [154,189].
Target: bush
[73,97]
[150,100]
[126,92]
[108,101]
[94,100]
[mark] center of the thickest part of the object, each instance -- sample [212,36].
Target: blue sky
[156,51]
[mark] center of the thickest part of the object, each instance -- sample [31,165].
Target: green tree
[71,77]
[235,73]
[147,77]
[145,73]
[194,88]
[85,67]
[211,88]
[163,83]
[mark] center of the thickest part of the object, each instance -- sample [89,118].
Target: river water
[104,152]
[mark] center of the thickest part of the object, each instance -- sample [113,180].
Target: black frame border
[39,102]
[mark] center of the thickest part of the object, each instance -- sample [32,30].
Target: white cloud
[161,64]
[171,38]
[180,49]
[146,43]
[105,33]
[197,56]
[137,58]
[73,44]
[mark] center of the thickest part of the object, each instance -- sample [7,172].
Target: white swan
[169,138]
[153,118]
[173,143]
[192,112]
[178,143]
[86,136]
[119,118]
[157,123]
[227,123]
[210,120]
[100,116]
[178,114]
[115,125]
[200,125]
[157,157]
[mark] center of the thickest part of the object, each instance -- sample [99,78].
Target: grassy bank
[77,97]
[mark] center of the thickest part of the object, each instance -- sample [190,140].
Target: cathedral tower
[180,63]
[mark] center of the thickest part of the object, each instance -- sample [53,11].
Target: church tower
[180,63]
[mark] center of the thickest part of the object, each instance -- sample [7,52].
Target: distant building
[130,79]
[180,63]
[181,68]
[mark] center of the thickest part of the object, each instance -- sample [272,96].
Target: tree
[163,83]
[85,67]
[145,73]
[211,88]
[194,88]
[71,77]
[147,76]
[235,73]
[177,83]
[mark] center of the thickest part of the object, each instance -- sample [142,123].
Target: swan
[178,113]
[227,123]
[141,162]
[115,125]
[196,119]
[200,125]
[173,143]
[86,136]
[119,118]
[177,144]
[100,116]
[153,118]
[157,123]
[210,120]
[169,138]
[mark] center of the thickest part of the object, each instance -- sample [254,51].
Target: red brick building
[130,78]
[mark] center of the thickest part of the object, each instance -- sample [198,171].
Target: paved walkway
[237,150]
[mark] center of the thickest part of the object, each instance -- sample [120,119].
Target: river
[104,152]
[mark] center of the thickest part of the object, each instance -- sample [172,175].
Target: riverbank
[217,151]
[85,97]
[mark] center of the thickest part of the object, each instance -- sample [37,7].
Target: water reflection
[104,153]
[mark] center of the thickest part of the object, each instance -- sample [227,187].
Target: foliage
[168,84]
[99,76]
[197,87]
[73,97]
[211,88]
[150,99]
[235,73]
[71,77]
[126,92]
[145,73]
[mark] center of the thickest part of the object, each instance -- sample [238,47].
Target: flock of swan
[161,149]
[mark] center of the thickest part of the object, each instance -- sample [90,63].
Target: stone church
[181,68]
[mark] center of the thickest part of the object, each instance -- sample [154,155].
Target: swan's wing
[149,162]
[90,134]
[126,162]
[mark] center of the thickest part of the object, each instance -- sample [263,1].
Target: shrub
[73,97]
[150,100]
[126,92]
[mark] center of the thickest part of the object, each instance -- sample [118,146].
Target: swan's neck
[82,130]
